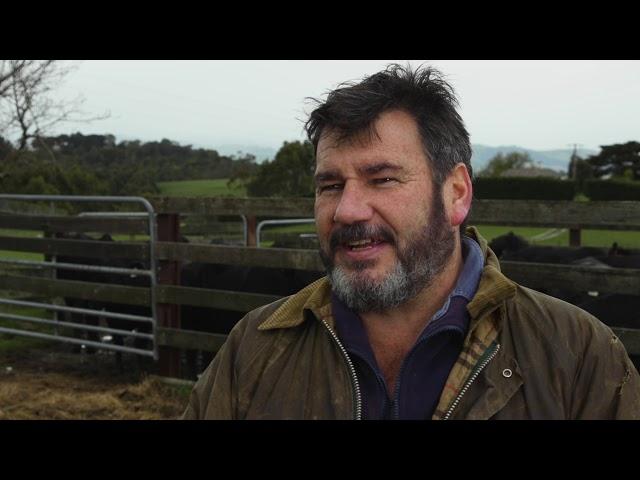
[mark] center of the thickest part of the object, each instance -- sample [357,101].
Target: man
[414,319]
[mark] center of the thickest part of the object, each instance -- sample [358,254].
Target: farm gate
[25,212]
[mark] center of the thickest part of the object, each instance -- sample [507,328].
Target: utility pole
[575,147]
[574,233]
[573,162]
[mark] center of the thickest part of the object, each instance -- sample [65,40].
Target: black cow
[82,276]
[270,281]
[614,310]
[131,280]
[551,254]
[617,250]
[210,276]
[623,261]
[507,242]
[512,247]
[107,278]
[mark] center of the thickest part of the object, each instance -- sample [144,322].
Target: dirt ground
[53,383]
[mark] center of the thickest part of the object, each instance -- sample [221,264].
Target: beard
[418,263]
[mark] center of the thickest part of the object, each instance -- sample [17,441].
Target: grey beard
[416,269]
[363,295]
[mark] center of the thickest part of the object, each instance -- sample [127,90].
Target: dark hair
[352,109]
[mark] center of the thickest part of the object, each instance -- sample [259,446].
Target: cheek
[324,219]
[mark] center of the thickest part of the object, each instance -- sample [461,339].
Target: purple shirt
[426,367]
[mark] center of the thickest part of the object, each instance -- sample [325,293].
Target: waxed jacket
[526,356]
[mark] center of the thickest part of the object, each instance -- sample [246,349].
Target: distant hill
[554,159]
[261,153]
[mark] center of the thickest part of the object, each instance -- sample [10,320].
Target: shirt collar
[471,271]
[469,277]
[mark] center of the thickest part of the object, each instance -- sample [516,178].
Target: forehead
[395,139]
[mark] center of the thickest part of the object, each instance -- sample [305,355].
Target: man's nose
[354,205]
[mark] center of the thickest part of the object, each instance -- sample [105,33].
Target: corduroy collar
[494,288]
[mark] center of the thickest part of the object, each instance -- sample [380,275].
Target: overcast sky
[540,105]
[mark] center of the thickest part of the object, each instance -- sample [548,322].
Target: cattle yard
[113,383]
[48,381]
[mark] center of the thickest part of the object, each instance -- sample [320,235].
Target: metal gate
[102,313]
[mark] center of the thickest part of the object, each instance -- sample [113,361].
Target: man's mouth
[363,244]
[360,241]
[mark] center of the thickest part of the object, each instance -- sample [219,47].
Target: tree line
[291,171]
[80,164]
[612,174]
[35,162]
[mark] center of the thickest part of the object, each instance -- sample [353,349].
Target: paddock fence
[169,253]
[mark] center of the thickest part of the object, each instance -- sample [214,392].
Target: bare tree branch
[28,107]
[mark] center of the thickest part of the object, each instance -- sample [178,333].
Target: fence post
[574,237]
[168,314]
[252,225]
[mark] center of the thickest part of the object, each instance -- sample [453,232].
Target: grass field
[16,255]
[200,188]
[219,187]
[591,238]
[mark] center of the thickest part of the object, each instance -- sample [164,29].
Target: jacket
[526,356]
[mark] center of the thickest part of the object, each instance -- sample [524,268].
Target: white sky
[540,105]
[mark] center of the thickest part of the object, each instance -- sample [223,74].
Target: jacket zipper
[352,371]
[469,382]
[396,393]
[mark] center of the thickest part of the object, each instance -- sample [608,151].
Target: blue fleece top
[426,367]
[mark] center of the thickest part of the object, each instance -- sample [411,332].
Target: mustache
[359,231]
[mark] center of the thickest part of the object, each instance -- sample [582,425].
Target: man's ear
[458,194]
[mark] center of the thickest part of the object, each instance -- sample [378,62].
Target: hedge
[612,190]
[524,188]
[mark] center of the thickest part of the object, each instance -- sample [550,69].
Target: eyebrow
[366,170]
[378,167]
[328,176]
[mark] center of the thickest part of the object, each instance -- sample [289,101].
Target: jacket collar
[315,297]
[493,289]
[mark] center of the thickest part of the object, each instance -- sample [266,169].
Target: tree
[579,170]
[6,148]
[243,171]
[621,160]
[290,174]
[28,110]
[501,163]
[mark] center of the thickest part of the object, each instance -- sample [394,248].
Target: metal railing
[151,273]
[294,221]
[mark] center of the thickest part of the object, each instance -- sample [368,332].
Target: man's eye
[332,187]
[383,180]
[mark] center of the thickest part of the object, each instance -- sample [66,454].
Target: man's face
[383,231]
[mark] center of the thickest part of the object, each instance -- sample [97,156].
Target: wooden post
[574,237]
[168,314]
[252,225]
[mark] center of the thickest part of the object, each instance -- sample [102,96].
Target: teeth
[360,242]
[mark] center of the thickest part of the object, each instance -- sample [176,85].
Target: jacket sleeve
[607,385]
[214,395]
